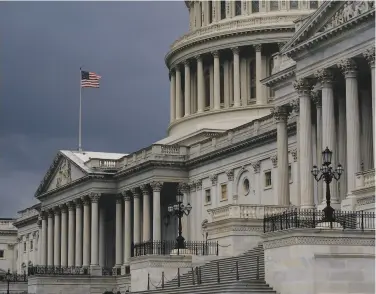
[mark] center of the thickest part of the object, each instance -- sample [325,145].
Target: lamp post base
[328,211]
[180,242]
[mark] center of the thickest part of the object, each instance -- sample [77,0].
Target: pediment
[62,172]
[331,16]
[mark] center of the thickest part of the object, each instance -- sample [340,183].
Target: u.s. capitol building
[258,89]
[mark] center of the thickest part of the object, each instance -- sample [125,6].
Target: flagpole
[79,120]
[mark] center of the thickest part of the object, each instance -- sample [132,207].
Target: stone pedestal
[316,261]
[151,267]
[95,270]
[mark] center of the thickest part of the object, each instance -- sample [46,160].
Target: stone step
[254,287]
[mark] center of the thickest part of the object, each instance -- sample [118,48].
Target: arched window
[207,87]
[223,9]
[252,82]
[222,85]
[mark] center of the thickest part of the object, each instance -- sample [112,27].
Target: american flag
[89,79]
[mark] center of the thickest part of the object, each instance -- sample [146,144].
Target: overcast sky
[42,46]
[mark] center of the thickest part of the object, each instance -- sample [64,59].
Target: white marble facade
[251,111]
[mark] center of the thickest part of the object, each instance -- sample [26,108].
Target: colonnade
[218,80]
[341,130]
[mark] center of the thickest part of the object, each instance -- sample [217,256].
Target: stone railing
[7,225]
[244,211]
[248,23]
[365,179]
[27,214]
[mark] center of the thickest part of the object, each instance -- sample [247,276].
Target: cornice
[26,221]
[8,232]
[280,76]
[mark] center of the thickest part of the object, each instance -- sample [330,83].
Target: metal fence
[13,278]
[306,218]
[58,270]
[168,247]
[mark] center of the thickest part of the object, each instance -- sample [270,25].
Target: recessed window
[31,245]
[255,6]
[2,255]
[274,5]
[238,8]
[207,196]
[294,4]
[268,179]
[246,186]
[224,192]
[24,246]
[223,9]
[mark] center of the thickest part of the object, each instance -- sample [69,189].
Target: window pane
[1,253]
[223,9]
[274,5]
[255,6]
[294,4]
[238,7]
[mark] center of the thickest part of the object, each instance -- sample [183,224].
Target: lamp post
[179,210]
[8,276]
[327,173]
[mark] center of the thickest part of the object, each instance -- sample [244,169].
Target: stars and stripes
[89,79]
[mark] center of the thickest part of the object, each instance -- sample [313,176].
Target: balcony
[365,179]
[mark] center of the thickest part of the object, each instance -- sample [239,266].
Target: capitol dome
[216,68]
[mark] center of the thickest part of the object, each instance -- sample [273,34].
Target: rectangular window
[210,8]
[31,245]
[2,255]
[290,174]
[313,4]
[238,8]
[224,192]
[252,82]
[268,179]
[255,6]
[294,4]
[207,196]
[274,5]
[24,246]
[223,9]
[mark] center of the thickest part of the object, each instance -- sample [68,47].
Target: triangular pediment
[63,171]
[330,16]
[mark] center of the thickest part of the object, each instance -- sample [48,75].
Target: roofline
[35,206]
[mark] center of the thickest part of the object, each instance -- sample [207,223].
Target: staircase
[240,274]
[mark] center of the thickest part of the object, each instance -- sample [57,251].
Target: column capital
[303,86]
[156,186]
[85,200]
[44,214]
[192,186]
[77,202]
[186,63]
[325,76]
[71,205]
[127,196]
[257,47]
[280,113]
[274,160]
[348,67]
[94,197]
[316,98]
[50,213]
[294,154]
[235,50]
[63,208]
[135,193]
[294,104]
[119,199]
[214,179]
[198,185]
[215,53]
[183,187]
[198,57]
[369,55]
[230,174]
[256,166]
[171,72]
[56,210]
[145,189]
[39,222]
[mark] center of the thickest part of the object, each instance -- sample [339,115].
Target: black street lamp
[8,277]
[327,173]
[179,210]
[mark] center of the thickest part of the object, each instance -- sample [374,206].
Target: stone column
[199,205]
[86,241]
[64,236]
[370,56]
[235,52]
[305,145]
[316,96]
[295,113]
[230,178]
[71,232]
[226,84]
[136,216]
[119,228]
[79,245]
[200,85]
[193,215]
[39,257]
[217,81]
[325,77]
[57,237]
[146,213]
[178,113]
[260,99]
[280,114]
[157,186]
[214,181]
[127,227]
[102,236]
[342,153]
[349,70]
[187,89]
[366,129]
[172,96]
[44,248]
[243,81]
[94,197]
[183,188]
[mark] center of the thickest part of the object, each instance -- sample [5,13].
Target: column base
[125,269]
[336,206]
[95,270]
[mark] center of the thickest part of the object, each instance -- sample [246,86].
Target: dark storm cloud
[43,44]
